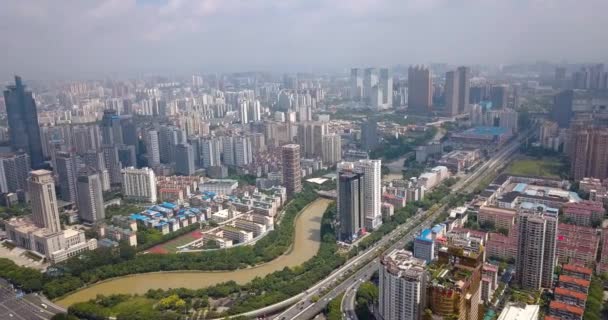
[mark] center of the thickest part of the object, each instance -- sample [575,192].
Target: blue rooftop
[425,235]
[487,131]
[520,187]
[169,205]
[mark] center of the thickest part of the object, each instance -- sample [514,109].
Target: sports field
[171,246]
[546,167]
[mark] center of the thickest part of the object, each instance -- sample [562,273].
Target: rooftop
[514,311]
[566,307]
[577,269]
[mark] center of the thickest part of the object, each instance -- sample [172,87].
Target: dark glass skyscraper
[23,122]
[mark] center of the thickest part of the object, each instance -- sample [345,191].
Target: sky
[59,38]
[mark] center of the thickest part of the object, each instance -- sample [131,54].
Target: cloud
[45,38]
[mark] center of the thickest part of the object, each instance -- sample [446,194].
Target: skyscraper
[350,205]
[356,84]
[498,96]
[372,193]
[90,196]
[452,91]
[243,154]
[211,152]
[402,293]
[184,160]
[310,135]
[420,90]
[562,108]
[332,149]
[152,147]
[112,162]
[464,87]
[111,130]
[14,171]
[588,150]
[66,172]
[96,160]
[24,131]
[536,249]
[385,83]
[45,212]
[370,79]
[292,174]
[369,135]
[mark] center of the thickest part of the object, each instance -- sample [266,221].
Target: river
[306,245]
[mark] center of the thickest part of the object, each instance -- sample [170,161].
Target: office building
[111,130]
[371,190]
[464,87]
[45,212]
[228,151]
[499,96]
[588,151]
[24,131]
[127,155]
[292,174]
[403,281]
[66,171]
[536,249]
[356,84]
[90,196]
[452,91]
[112,162]
[369,135]
[85,138]
[211,152]
[350,206]
[168,139]
[370,79]
[139,184]
[184,160]
[14,171]
[420,90]
[152,147]
[562,110]
[96,160]
[332,149]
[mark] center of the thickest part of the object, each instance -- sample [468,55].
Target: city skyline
[175,36]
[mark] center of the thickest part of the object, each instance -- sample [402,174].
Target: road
[306,309]
[14,305]
[348,301]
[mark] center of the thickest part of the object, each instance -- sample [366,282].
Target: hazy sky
[43,38]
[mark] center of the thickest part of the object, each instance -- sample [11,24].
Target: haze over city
[71,38]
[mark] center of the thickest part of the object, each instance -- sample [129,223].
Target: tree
[64,316]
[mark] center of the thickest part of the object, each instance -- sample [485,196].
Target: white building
[211,152]
[243,154]
[219,186]
[139,184]
[371,191]
[331,148]
[515,311]
[152,147]
[402,291]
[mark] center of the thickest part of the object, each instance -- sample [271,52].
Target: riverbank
[306,244]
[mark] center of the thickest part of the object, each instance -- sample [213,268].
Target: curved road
[306,245]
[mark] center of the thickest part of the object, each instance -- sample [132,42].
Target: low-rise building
[577,244]
[459,160]
[498,217]
[584,213]
[577,271]
[219,186]
[574,283]
[236,234]
[565,311]
[570,297]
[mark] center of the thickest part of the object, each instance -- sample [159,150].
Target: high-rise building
[244,112]
[562,108]
[464,88]
[139,184]
[588,150]
[536,249]
[111,130]
[66,173]
[112,162]
[369,135]
[90,196]
[24,131]
[386,85]
[211,152]
[152,147]
[402,292]
[370,79]
[332,149]
[45,212]
[168,138]
[420,90]
[372,193]
[560,78]
[243,154]
[228,151]
[452,91]
[86,137]
[356,84]
[310,138]
[127,155]
[14,171]
[184,160]
[350,205]
[292,174]
[499,96]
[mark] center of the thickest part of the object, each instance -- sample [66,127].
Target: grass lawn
[138,303]
[547,167]
[171,246]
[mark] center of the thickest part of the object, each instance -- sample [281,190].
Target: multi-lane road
[367,262]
